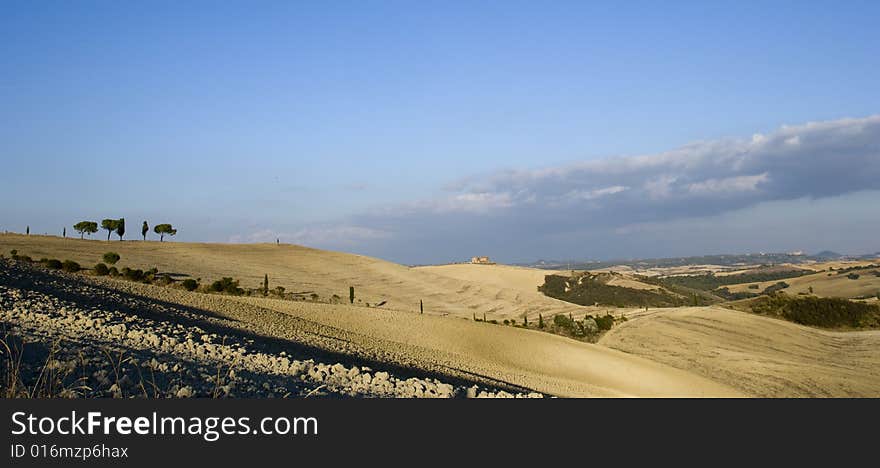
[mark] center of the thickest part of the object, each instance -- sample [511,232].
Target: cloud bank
[583,208]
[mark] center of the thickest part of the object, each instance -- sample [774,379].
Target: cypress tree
[120,228]
[351,294]
[421,307]
[265,284]
[540,321]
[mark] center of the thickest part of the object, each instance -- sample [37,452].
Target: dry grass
[757,355]
[305,270]
[824,284]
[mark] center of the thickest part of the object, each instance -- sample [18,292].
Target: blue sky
[351,125]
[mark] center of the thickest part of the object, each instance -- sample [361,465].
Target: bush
[227,285]
[164,280]
[562,321]
[754,286]
[113,271]
[101,270]
[111,257]
[605,323]
[853,276]
[776,287]
[133,275]
[190,284]
[70,266]
[54,264]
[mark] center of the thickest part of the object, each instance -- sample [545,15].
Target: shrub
[133,275]
[70,266]
[562,321]
[853,276]
[754,286]
[227,285]
[776,287]
[605,323]
[113,271]
[190,284]
[164,280]
[54,264]
[111,257]
[101,269]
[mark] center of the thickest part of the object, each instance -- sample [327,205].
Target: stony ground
[70,336]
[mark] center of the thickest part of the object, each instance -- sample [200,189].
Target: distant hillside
[721,260]
[827,255]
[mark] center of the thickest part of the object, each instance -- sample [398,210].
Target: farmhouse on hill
[481,261]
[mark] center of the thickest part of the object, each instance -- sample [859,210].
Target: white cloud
[729,184]
[595,193]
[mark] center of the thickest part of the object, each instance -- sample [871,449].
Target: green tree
[266,284]
[120,228]
[421,307]
[351,294]
[163,229]
[540,321]
[110,225]
[86,227]
[144,230]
